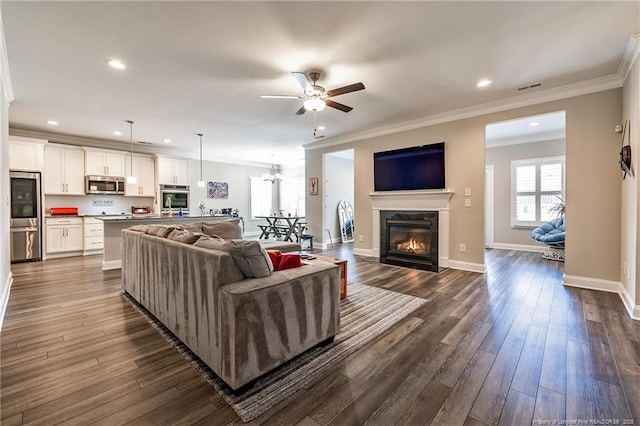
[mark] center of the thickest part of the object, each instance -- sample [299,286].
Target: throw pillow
[140,228]
[274,255]
[228,229]
[289,261]
[249,256]
[183,236]
[193,227]
[160,230]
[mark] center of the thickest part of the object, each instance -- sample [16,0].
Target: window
[292,192]
[261,191]
[535,187]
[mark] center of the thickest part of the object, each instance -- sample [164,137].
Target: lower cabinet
[64,235]
[93,235]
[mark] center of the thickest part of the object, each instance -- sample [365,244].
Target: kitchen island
[113,226]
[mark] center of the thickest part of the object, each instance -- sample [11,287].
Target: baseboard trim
[364,252]
[519,247]
[107,265]
[4,297]
[467,266]
[604,285]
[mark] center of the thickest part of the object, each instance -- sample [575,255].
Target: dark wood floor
[512,346]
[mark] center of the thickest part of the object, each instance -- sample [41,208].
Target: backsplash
[98,204]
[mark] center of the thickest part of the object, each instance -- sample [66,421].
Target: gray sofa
[241,327]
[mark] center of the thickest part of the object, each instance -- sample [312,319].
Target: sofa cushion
[283,246]
[140,228]
[228,229]
[160,230]
[249,256]
[193,227]
[183,236]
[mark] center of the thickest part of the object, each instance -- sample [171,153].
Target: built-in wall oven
[25,228]
[174,198]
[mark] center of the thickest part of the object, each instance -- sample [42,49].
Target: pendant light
[201,183]
[272,176]
[131,179]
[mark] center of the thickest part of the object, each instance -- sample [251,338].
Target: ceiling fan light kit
[315,97]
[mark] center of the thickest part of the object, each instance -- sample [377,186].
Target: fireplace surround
[409,239]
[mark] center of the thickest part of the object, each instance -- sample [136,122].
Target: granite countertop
[156,217]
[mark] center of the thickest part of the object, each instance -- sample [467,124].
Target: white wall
[237,176]
[338,185]
[500,158]
[5,255]
[630,235]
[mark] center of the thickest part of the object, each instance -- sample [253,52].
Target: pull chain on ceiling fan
[315,97]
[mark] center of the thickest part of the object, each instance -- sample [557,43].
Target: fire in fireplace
[409,238]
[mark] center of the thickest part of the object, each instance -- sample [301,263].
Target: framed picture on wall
[313,186]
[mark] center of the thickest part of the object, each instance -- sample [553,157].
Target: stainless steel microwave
[104,185]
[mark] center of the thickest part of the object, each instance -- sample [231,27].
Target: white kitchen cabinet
[93,235]
[172,171]
[105,162]
[63,170]
[26,153]
[143,169]
[64,235]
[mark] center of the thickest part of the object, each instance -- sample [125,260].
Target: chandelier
[273,175]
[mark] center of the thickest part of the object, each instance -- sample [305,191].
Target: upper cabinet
[64,170]
[105,162]
[172,171]
[26,154]
[144,170]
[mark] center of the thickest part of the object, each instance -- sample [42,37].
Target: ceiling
[200,67]
[535,128]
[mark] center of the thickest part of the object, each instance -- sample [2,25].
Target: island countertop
[113,226]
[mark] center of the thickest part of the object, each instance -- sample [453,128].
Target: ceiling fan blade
[303,81]
[337,105]
[301,111]
[279,97]
[346,89]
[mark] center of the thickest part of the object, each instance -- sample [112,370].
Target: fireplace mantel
[433,200]
[407,200]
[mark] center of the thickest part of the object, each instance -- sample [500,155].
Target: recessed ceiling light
[114,63]
[534,123]
[484,83]
[166,140]
[117,132]
[321,127]
[52,122]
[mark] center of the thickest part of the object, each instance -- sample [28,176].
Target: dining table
[282,228]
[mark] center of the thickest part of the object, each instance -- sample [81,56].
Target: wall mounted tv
[418,167]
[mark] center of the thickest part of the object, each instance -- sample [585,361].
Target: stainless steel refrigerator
[26,216]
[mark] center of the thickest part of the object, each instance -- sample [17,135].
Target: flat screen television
[418,167]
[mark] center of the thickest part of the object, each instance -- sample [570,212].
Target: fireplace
[409,238]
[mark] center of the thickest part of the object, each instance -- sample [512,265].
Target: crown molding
[629,57]
[549,95]
[4,66]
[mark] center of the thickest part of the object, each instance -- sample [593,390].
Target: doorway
[524,174]
[338,185]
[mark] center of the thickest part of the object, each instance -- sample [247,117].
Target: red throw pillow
[274,255]
[288,261]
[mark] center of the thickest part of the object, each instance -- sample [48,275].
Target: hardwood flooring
[510,347]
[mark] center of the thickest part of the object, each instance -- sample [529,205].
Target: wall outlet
[463,248]
[467,202]
[361,238]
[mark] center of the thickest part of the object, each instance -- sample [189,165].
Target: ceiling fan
[315,97]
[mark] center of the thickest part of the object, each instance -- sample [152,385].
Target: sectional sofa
[222,298]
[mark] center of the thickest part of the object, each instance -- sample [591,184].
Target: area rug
[365,314]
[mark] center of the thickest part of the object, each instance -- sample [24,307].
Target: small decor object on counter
[180,213]
[218,190]
[235,213]
[202,208]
